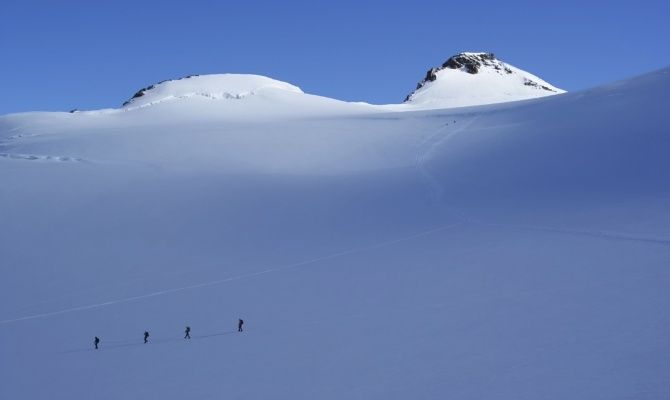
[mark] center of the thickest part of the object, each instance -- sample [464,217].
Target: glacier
[507,251]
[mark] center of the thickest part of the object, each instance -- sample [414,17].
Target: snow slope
[216,86]
[468,79]
[511,251]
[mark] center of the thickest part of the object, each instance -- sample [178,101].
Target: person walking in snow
[95,342]
[240,322]
[146,336]
[187,332]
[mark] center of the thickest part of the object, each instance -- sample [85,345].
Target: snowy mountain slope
[468,79]
[512,251]
[217,86]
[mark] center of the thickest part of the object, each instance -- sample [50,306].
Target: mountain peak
[477,78]
[215,86]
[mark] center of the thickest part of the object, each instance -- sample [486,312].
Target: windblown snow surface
[511,251]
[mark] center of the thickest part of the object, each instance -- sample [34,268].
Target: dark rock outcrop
[470,62]
[528,82]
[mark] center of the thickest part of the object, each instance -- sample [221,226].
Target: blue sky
[59,55]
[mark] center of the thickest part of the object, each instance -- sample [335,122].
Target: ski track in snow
[582,232]
[118,344]
[426,148]
[5,145]
[22,136]
[35,157]
[238,277]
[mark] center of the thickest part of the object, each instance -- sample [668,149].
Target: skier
[240,322]
[188,333]
[96,341]
[146,336]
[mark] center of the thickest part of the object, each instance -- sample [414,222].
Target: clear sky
[59,55]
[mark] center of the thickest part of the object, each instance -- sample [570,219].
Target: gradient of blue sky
[58,55]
